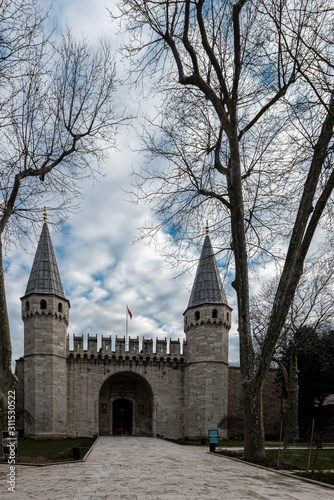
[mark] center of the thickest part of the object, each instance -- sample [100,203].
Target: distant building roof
[207,287]
[44,277]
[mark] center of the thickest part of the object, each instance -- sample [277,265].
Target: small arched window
[43,304]
[27,305]
[60,307]
[214,313]
[197,315]
[228,317]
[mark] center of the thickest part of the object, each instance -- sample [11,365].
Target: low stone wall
[19,396]
[272,404]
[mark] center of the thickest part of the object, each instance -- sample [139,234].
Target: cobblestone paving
[132,468]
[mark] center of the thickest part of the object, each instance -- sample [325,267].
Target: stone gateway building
[127,386]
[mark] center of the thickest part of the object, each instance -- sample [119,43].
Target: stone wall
[45,320]
[19,395]
[167,379]
[164,409]
[88,374]
[206,354]
[272,404]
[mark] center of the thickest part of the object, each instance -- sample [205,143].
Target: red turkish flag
[130,314]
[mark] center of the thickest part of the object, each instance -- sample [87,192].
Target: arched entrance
[125,406]
[122,416]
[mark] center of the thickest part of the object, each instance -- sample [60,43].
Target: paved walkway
[134,468]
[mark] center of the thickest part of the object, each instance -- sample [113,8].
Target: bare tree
[311,310]
[21,37]
[59,123]
[246,127]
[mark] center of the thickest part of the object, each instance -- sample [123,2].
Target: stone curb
[283,473]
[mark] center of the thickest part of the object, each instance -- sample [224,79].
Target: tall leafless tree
[21,35]
[311,311]
[245,125]
[58,123]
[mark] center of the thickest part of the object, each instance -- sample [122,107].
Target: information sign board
[213,437]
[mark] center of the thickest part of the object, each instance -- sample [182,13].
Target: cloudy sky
[102,270]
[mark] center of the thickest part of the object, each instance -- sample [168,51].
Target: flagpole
[126,326]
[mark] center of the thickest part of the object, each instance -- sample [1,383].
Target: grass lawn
[194,442]
[293,459]
[226,443]
[53,449]
[298,458]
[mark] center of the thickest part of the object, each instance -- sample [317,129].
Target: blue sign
[213,437]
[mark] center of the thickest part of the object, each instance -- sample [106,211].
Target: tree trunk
[7,380]
[292,427]
[252,384]
[254,447]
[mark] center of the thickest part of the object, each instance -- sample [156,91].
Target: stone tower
[45,311]
[207,321]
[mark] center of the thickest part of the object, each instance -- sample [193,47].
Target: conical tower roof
[207,287]
[44,276]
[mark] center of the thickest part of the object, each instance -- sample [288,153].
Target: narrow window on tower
[60,307]
[27,305]
[43,304]
[215,313]
[197,315]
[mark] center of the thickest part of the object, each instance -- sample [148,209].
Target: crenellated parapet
[43,313]
[122,350]
[174,348]
[37,305]
[208,314]
[92,345]
[208,321]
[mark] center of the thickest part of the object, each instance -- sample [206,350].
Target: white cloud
[101,269]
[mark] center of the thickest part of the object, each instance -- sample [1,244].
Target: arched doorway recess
[122,417]
[125,405]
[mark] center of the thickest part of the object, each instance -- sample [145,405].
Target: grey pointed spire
[44,276]
[207,287]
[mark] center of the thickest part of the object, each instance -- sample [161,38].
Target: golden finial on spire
[207,228]
[45,216]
